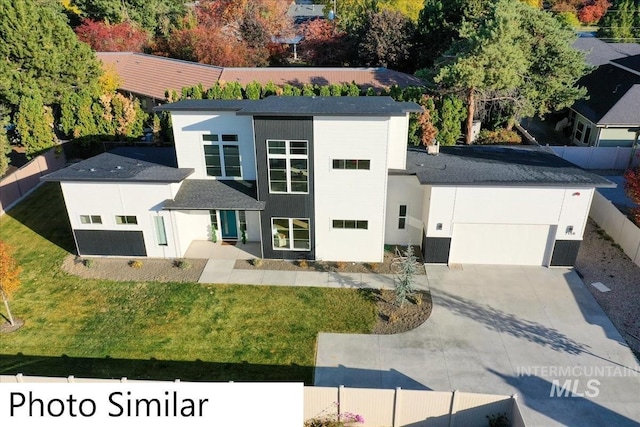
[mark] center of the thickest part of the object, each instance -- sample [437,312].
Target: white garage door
[501,244]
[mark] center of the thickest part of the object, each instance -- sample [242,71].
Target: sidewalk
[223,271]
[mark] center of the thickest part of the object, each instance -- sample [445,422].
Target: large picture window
[288,166]
[291,234]
[222,160]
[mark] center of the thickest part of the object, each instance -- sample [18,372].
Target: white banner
[158,404]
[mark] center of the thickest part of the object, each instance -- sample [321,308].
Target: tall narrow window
[402,217]
[231,160]
[161,233]
[242,219]
[212,160]
[288,163]
[291,234]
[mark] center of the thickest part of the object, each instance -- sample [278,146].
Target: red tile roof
[151,75]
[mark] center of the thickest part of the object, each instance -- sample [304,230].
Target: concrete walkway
[223,271]
[502,330]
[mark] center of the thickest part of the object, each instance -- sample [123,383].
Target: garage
[514,244]
[108,242]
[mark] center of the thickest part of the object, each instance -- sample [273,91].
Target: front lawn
[93,328]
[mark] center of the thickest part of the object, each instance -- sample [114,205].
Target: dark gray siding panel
[283,205]
[109,242]
[565,253]
[435,250]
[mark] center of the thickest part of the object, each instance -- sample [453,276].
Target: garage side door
[108,242]
[509,244]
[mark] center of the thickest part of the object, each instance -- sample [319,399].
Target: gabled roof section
[302,106]
[152,75]
[607,87]
[630,63]
[600,53]
[497,166]
[209,194]
[125,164]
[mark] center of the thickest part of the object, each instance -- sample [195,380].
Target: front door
[229,224]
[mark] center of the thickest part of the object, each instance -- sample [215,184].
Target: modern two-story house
[325,178]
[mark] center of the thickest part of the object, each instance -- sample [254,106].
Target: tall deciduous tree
[386,40]
[105,37]
[9,277]
[516,57]
[632,188]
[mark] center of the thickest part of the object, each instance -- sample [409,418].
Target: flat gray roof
[497,166]
[301,106]
[209,194]
[130,164]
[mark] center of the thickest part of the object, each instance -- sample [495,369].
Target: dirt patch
[600,259]
[384,267]
[393,318]
[6,327]
[123,269]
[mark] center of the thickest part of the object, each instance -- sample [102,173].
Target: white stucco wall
[404,190]
[190,226]
[188,128]
[561,207]
[350,194]
[110,199]
[398,140]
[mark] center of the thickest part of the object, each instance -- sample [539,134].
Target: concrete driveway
[528,331]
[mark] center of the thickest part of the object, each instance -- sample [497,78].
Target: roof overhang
[212,194]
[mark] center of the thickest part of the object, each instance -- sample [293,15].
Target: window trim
[288,157]
[290,246]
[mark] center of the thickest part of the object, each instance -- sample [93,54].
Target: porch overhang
[210,194]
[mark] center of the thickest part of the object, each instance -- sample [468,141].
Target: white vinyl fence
[19,184]
[378,407]
[616,225]
[599,157]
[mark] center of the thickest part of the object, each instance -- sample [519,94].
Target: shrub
[405,265]
[303,263]
[88,262]
[341,265]
[135,264]
[499,420]
[499,136]
[182,264]
[256,262]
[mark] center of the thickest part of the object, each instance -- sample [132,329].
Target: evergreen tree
[34,123]
[622,22]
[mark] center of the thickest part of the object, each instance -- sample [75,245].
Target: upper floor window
[350,224]
[126,219]
[288,163]
[90,219]
[222,160]
[402,217]
[351,164]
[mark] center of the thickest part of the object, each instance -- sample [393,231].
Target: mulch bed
[393,318]
[384,267]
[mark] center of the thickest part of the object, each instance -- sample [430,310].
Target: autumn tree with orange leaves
[632,188]
[9,276]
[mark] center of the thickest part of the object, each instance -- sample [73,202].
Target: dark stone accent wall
[283,205]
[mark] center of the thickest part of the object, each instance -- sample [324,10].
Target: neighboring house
[302,12]
[326,178]
[135,70]
[610,116]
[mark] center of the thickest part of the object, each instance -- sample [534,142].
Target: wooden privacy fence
[599,157]
[616,225]
[16,186]
[378,407]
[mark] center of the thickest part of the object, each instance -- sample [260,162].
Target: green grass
[93,328]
